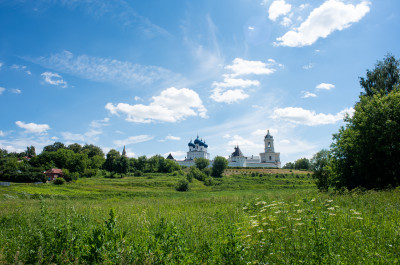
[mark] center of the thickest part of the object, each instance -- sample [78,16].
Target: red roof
[54,171]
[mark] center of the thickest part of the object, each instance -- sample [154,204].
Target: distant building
[54,173]
[170,157]
[197,149]
[267,159]
[124,152]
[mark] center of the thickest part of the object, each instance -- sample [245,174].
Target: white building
[267,159]
[197,149]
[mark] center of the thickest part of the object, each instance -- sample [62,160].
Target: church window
[270,158]
[269,144]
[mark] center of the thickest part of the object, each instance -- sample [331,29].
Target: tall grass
[202,226]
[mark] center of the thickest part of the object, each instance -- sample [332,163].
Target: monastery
[269,158]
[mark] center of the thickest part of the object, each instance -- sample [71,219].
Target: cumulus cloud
[133,140]
[2,89]
[173,138]
[105,69]
[278,8]
[239,66]
[307,94]
[331,16]
[54,79]
[245,67]
[172,105]
[308,117]
[2,133]
[325,86]
[33,127]
[228,96]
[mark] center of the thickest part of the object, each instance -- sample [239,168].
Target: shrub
[138,173]
[196,173]
[59,181]
[182,185]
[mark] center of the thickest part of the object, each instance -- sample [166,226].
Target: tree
[92,150]
[218,167]
[112,160]
[288,165]
[201,163]
[54,147]
[302,163]
[320,167]
[30,151]
[366,152]
[383,79]
[77,148]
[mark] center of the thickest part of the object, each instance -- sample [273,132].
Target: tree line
[89,160]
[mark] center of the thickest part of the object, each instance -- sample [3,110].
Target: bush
[89,172]
[196,173]
[138,173]
[182,185]
[59,181]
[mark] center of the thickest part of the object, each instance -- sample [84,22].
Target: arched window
[269,144]
[270,158]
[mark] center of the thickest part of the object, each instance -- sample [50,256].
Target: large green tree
[219,165]
[383,79]
[366,152]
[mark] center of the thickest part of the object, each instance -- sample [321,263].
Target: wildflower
[299,224]
[313,200]
[332,214]
[260,231]
[331,208]
[245,208]
[296,205]
[278,212]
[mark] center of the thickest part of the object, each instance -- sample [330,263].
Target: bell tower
[269,143]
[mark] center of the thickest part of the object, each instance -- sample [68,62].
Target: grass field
[261,218]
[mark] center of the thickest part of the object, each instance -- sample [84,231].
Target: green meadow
[246,217]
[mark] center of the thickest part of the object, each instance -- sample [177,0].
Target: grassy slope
[229,223]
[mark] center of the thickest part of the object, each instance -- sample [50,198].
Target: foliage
[196,173]
[288,165]
[54,147]
[219,165]
[366,152]
[182,185]
[383,79]
[302,163]
[92,150]
[59,181]
[201,163]
[320,167]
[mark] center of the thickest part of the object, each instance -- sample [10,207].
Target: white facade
[197,149]
[267,159]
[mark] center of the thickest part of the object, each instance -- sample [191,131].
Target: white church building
[197,149]
[267,159]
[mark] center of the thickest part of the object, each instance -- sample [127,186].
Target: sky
[152,75]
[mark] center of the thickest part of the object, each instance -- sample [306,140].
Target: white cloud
[286,22]
[173,138]
[2,133]
[172,105]
[89,136]
[308,117]
[33,127]
[331,16]
[263,132]
[307,94]
[138,98]
[54,79]
[244,67]
[236,82]
[241,67]
[133,140]
[1,64]
[100,123]
[2,89]
[16,91]
[325,86]
[278,8]
[245,144]
[106,70]
[228,96]
[250,28]
[68,136]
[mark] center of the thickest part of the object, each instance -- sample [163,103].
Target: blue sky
[152,75]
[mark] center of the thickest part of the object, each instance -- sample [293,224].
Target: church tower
[270,156]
